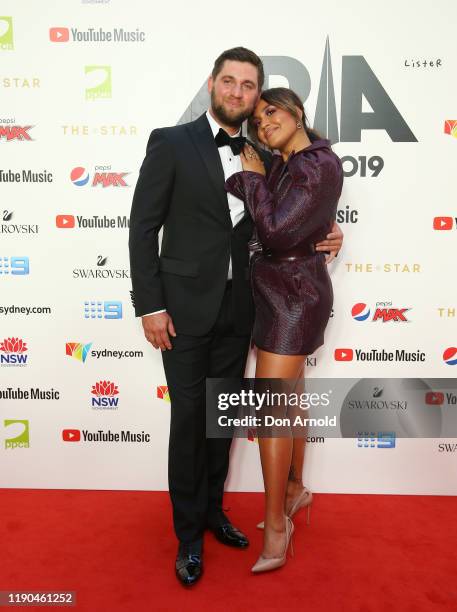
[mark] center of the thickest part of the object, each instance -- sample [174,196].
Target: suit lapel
[203,140]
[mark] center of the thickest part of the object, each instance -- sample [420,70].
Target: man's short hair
[240,54]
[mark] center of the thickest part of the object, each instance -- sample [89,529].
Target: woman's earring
[298,125]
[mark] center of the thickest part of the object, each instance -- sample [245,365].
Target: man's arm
[149,210]
[333,243]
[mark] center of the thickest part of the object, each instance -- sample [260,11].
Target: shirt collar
[215,127]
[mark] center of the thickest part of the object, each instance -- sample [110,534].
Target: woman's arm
[305,201]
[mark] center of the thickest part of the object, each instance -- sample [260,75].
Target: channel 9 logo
[102,310]
[14,266]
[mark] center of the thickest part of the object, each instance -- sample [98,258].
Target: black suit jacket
[181,188]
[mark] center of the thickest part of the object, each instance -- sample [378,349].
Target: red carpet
[116,549]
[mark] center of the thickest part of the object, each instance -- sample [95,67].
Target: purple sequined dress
[292,208]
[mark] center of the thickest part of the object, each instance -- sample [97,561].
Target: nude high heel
[265,565]
[304,500]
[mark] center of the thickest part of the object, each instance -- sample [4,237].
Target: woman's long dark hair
[287,100]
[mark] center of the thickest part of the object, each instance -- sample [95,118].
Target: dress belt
[290,254]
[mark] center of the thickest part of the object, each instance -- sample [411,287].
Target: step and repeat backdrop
[83,397]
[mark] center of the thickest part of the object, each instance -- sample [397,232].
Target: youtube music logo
[443,223]
[65,221]
[71,435]
[59,34]
[434,398]
[344,354]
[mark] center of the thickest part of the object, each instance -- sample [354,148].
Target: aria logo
[105,393]
[358,83]
[77,350]
[80,177]
[19,430]
[450,356]
[450,127]
[98,82]
[382,312]
[163,393]
[12,353]
[6,34]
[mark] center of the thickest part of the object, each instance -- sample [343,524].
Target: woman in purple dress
[293,208]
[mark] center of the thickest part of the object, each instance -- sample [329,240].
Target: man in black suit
[194,298]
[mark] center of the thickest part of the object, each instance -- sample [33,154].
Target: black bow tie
[236,143]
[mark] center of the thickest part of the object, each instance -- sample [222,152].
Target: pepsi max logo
[360,312]
[79,176]
[450,356]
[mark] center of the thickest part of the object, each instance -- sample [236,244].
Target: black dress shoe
[189,563]
[230,535]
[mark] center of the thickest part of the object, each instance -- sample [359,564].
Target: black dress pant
[197,466]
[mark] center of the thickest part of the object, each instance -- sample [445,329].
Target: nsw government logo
[13,353]
[105,393]
[18,430]
[98,82]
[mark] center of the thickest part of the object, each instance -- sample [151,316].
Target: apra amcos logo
[6,34]
[162,393]
[103,176]
[13,353]
[98,82]
[18,430]
[450,127]
[105,393]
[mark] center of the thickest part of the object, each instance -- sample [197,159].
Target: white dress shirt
[230,164]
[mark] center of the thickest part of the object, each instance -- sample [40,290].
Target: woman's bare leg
[295,480]
[276,455]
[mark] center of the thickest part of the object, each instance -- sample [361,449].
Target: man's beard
[219,112]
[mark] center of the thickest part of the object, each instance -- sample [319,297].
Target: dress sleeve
[305,199]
